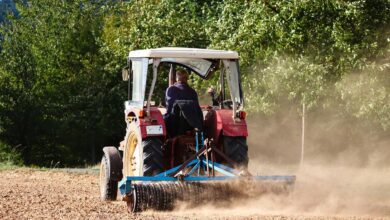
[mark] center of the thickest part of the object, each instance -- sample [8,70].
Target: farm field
[73,194]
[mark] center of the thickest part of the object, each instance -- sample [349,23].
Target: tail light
[241,115]
[142,113]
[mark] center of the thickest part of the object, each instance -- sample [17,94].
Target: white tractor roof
[181,52]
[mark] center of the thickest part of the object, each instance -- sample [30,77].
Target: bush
[9,156]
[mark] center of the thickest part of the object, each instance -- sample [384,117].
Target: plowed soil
[58,194]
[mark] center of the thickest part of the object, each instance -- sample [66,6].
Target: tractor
[204,159]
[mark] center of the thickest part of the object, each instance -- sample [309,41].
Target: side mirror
[125,74]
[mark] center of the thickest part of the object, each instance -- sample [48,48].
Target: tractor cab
[204,63]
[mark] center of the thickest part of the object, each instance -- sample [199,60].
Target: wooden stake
[303,134]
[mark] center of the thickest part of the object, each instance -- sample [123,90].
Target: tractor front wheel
[110,173]
[108,187]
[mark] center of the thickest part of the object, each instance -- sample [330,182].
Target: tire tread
[110,186]
[153,156]
[236,149]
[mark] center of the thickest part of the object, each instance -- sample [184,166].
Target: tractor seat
[187,116]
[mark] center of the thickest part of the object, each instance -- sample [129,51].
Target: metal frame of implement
[196,163]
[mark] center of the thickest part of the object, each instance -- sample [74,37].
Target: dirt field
[38,194]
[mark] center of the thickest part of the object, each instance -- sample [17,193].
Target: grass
[8,166]
[92,169]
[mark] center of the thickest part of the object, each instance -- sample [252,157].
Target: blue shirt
[179,91]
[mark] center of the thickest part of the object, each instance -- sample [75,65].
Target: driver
[178,91]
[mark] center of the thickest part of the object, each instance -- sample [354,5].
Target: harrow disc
[164,195]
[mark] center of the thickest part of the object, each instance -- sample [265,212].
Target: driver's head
[181,76]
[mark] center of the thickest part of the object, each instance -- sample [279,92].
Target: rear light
[241,115]
[142,113]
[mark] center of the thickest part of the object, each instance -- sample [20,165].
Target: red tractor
[151,154]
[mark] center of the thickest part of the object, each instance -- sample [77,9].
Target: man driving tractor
[182,95]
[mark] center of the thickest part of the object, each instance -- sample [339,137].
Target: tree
[57,100]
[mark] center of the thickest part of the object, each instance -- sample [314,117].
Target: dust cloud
[340,192]
[346,169]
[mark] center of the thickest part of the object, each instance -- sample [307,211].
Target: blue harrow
[199,179]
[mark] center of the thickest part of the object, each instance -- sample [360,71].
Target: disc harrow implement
[194,184]
[164,195]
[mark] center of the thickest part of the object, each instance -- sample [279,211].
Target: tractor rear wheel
[108,186]
[153,160]
[153,156]
[236,149]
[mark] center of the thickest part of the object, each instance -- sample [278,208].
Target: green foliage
[366,94]
[298,50]
[336,32]
[285,79]
[9,156]
[164,23]
[57,100]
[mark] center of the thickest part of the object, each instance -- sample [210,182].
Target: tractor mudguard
[153,126]
[114,163]
[221,122]
[149,127]
[229,126]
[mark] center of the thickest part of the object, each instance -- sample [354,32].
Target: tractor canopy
[202,62]
[180,52]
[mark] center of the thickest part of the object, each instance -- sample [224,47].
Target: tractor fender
[114,162]
[224,124]
[156,119]
[229,126]
[139,123]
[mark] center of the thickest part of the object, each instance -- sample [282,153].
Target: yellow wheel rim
[128,158]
